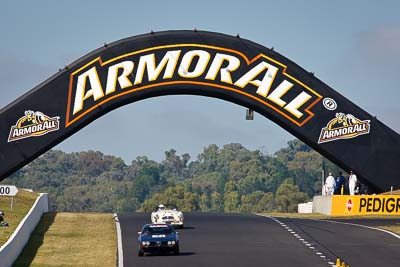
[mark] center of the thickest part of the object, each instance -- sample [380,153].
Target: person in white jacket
[330,184]
[352,182]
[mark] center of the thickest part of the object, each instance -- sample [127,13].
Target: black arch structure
[207,64]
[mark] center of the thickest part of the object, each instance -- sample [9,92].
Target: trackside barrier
[340,263]
[120,254]
[345,205]
[305,207]
[322,204]
[10,251]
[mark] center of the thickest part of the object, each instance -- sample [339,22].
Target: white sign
[329,103]
[8,190]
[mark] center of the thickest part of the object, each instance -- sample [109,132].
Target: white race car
[167,215]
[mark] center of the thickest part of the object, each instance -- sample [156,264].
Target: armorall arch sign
[206,64]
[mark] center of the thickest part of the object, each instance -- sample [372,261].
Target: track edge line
[120,254]
[360,225]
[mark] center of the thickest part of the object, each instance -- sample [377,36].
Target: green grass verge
[71,239]
[392,228]
[396,192]
[23,202]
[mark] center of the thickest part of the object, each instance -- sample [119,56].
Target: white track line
[119,241]
[306,243]
[345,223]
[360,225]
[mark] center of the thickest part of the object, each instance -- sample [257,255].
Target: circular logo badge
[329,103]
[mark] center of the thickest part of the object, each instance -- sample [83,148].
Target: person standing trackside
[330,184]
[352,183]
[340,182]
[2,222]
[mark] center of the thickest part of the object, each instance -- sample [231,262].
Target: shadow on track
[186,228]
[170,255]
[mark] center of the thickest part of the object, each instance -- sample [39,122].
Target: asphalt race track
[355,245]
[249,240]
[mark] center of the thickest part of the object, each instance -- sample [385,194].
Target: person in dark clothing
[357,190]
[340,181]
[364,189]
[2,222]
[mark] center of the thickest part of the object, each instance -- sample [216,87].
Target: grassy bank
[23,202]
[396,192]
[391,228]
[71,239]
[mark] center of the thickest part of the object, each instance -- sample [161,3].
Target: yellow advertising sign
[365,205]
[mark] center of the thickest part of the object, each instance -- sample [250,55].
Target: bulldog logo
[343,126]
[33,124]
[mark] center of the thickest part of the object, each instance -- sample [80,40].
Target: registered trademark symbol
[329,103]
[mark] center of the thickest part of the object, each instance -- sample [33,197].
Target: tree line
[231,178]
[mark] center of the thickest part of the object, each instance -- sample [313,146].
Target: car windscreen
[157,230]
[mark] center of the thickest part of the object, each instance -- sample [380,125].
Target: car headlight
[143,243]
[173,242]
[147,243]
[169,242]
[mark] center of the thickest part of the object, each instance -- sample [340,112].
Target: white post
[12,203]
[323,182]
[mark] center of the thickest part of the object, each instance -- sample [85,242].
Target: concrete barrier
[322,204]
[305,207]
[10,251]
[120,253]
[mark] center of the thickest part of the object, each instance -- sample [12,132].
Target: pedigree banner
[206,64]
[365,205]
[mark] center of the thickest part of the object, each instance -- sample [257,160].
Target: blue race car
[158,238]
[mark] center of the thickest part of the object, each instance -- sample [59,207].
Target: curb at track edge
[120,254]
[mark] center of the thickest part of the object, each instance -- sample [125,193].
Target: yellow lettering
[280,91]
[123,80]
[295,104]
[96,90]
[219,59]
[200,67]
[148,62]
[263,86]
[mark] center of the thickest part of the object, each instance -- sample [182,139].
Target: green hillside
[231,178]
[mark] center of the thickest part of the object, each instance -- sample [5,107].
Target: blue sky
[353,46]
